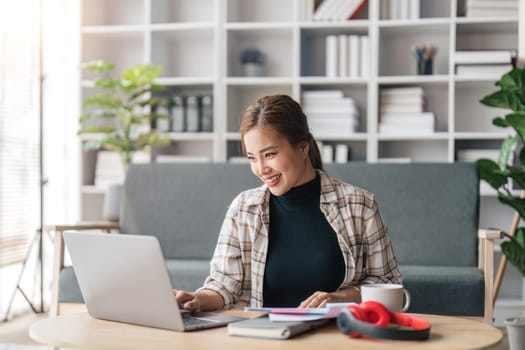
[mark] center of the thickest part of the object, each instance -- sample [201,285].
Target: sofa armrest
[486,264]
[58,259]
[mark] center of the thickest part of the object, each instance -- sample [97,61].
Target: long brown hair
[284,116]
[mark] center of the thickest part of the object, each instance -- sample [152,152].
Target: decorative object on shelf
[425,58]
[253,60]
[511,95]
[121,115]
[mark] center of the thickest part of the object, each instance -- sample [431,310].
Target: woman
[301,239]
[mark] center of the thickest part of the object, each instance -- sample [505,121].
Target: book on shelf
[171,158]
[483,70]
[402,98]
[364,60]
[491,8]
[343,55]
[405,129]
[400,9]
[347,56]
[401,108]
[354,56]
[331,64]
[321,94]
[408,118]
[411,90]
[339,10]
[486,56]
[263,327]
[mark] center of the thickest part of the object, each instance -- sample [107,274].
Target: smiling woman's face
[278,164]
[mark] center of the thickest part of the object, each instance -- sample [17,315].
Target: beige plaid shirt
[237,266]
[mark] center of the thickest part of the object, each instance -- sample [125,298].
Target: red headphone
[372,319]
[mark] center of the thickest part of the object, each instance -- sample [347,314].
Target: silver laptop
[124,278]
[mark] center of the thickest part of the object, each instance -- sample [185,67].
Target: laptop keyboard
[192,322]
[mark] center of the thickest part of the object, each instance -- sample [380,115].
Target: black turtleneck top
[303,252]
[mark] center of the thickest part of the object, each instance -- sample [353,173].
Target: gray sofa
[431,211]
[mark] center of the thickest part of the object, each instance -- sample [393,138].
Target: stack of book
[491,8]
[402,111]
[400,9]
[330,113]
[109,169]
[338,10]
[488,63]
[347,56]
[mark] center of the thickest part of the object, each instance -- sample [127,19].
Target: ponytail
[315,155]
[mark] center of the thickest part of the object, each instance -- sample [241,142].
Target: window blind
[19,140]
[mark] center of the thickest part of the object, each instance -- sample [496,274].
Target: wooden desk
[80,331]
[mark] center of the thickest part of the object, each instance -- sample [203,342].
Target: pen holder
[425,66]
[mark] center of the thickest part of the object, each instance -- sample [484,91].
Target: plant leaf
[518,174]
[140,75]
[502,123]
[517,121]
[101,100]
[514,250]
[96,129]
[515,202]
[98,66]
[107,83]
[490,172]
[508,146]
[153,138]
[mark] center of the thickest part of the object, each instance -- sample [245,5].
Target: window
[19,129]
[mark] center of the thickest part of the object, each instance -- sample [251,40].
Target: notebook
[263,327]
[124,278]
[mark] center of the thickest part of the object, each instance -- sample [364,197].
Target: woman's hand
[319,299]
[187,300]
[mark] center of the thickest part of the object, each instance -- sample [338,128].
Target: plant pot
[253,69]
[111,208]
[516,332]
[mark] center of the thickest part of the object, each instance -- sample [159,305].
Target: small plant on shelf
[252,55]
[253,60]
[120,114]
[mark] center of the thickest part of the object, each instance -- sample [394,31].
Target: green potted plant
[122,112]
[252,60]
[511,96]
[120,116]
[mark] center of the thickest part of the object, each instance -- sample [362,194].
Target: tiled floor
[16,330]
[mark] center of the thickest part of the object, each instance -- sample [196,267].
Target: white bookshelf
[198,44]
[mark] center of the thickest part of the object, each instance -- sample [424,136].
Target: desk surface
[80,331]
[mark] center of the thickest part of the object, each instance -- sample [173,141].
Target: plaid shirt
[237,266]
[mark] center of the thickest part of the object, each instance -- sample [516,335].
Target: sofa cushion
[431,210]
[182,204]
[184,274]
[444,290]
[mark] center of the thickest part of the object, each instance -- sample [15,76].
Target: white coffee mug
[390,295]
